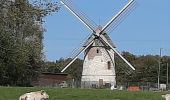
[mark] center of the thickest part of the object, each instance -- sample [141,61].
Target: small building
[52,79]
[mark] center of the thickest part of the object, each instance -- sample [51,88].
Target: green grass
[13,93]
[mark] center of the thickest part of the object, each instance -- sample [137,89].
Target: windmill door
[100,82]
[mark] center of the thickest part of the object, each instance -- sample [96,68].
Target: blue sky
[144,31]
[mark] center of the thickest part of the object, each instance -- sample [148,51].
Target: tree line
[146,68]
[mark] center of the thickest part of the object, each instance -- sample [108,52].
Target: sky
[143,32]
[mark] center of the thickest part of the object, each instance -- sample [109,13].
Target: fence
[143,86]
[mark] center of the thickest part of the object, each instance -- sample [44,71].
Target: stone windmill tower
[99,50]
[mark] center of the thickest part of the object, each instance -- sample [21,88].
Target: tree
[21,36]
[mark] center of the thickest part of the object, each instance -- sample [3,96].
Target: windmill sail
[105,41]
[118,16]
[122,66]
[80,15]
[83,48]
[122,17]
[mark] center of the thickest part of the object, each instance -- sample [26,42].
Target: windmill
[99,50]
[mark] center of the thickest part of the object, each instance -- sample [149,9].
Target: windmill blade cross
[105,40]
[88,23]
[97,33]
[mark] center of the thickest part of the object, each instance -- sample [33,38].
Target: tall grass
[13,93]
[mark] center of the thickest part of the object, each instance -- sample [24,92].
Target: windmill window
[97,51]
[108,65]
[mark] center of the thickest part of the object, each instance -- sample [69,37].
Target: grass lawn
[13,93]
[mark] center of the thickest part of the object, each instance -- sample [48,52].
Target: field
[13,93]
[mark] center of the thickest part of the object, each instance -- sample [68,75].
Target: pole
[167,75]
[159,68]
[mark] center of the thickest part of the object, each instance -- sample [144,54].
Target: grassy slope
[9,93]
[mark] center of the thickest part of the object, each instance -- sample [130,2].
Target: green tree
[21,36]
